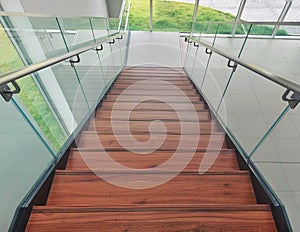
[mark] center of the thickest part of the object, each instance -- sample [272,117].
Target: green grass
[30,94]
[171,16]
[177,16]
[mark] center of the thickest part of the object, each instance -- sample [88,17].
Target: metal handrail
[290,85]
[22,72]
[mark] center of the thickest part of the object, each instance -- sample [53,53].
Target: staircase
[220,199]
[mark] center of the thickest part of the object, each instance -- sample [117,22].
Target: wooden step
[142,127]
[151,68]
[167,99]
[155,72]
[225,160]
[78,188]
[153,86]
[153,115]
[93,140]
[228,218]
[182,82]
[154,106]
[140,77]
[160,92]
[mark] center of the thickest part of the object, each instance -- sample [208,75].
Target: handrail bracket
[73,62]
[207,51]
[233,66]
[98,49]
[7,93]
[293,100]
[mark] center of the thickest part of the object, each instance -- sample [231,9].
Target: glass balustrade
[39,123]
[264,128]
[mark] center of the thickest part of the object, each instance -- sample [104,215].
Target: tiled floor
[251,106]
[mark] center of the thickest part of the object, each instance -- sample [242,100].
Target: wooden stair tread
[153,86]
[157,91]
[221,199]
[152,207]
[252,220]
[71,188]
[176,82]
[226,160]
[166,98]
[109,141]
[154,106]
[151,115]
[137,127]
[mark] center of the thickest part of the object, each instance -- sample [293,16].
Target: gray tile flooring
[251,106]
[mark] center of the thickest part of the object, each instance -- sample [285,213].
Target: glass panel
[139,15]
[124,15]
[107,62]
[23,158]
[279,161]
[288,31]
[172,16]
[293,13]
[66,93]
[77,32]
[190,58]
[100,27]
[218,74]
[91,76]
[216,78]
[116,52]
[113,25]
[250,107]
[201,62]
[24,32]
[123,47]
[262,10]
[31,96]
[280,56]
[217,10]
[41,111]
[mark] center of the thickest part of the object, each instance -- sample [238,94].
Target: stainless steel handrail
[22,72]
[290,85]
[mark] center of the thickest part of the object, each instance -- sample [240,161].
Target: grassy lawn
[177,16]
[30,95]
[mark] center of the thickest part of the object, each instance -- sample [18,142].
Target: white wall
[67,8]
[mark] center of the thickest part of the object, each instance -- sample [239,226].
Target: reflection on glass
[31,96]
[77,32]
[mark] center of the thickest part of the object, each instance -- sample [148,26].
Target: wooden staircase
[222,199]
